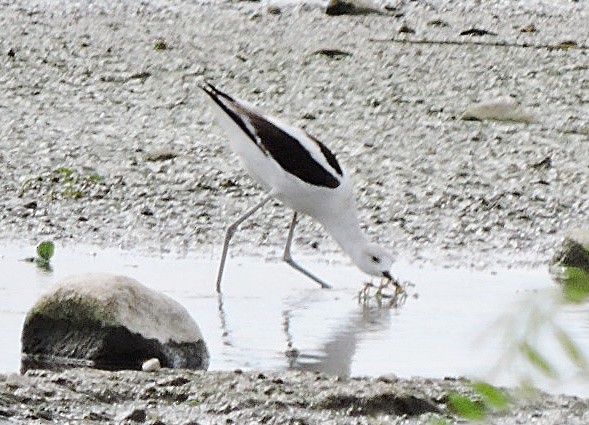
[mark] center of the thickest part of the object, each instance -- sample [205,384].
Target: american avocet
[304,174]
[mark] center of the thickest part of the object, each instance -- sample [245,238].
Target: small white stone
[151,365]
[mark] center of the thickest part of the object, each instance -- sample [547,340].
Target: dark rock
[529,28]
[226,183]
[574,251]
[394,6]
[405,29]
[6,413]
[388,403]
[567,44]
[438,23]
[545,164]
[477,32]
[44,414]
[160,44]
[137,415]
[145,210]
[109,322]
[332,53]
[143,75]
[274,10]
[30,205]
[97,417]
[175,382]
[350,7]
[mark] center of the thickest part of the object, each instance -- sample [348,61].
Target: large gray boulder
[109,322]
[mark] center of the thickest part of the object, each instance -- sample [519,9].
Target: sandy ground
[106,139]
[88,102]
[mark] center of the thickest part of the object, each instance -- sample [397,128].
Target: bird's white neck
[348,234]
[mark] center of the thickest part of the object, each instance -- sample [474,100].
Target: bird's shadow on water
[335,356]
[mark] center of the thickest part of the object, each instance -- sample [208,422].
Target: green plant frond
[572,350]
[492,396]
[537,360]
[466,407]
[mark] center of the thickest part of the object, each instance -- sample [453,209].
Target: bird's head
[376,261]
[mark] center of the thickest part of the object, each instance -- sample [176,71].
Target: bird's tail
[214,92]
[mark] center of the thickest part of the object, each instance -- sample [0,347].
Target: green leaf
[537,359]
[45,250]
[572,349]
[95,178]
[492,396]
[576,284]
[65,171]
[465,407]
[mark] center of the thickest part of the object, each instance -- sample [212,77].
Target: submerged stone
[109,322]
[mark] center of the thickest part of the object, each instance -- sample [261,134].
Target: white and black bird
[300,171]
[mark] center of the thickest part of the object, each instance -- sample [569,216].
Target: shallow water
[270,317]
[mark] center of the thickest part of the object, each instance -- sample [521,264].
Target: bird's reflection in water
[337,353]
[225,334]
[335,356]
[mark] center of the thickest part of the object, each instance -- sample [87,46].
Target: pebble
[529,28]
[161,154]
[160,44]
[151,365]
[274,10]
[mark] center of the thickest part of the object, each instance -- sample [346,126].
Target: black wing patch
[329,156]
[285,149]
[292,156]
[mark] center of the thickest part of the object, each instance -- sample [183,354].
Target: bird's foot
[381,295]
[364,293]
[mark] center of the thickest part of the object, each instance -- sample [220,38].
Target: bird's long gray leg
[288,258]
[229,234]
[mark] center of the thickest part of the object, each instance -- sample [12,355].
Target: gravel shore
[106,139]
[185,397]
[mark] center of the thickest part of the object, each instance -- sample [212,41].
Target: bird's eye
[375,259]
